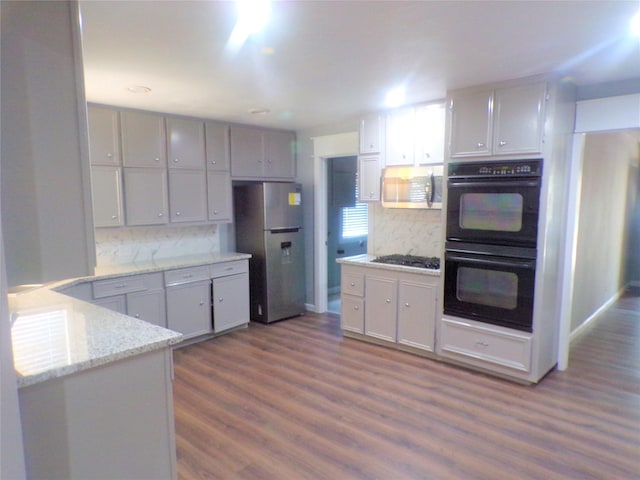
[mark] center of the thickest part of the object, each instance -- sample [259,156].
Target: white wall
[609,186]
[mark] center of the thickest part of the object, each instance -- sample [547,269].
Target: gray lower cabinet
[107,422]
[139,296]
[397,307]
[188,293]
[230,295]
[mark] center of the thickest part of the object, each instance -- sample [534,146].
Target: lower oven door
[490,289]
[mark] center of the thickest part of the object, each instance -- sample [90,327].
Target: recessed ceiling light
[139,89]
[395,97]
[635,25]
[259,111]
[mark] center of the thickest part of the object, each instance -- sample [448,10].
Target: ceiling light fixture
[139,89]
[253,16]
[395,97]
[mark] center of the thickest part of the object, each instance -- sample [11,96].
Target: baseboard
[310,307]
[591,319]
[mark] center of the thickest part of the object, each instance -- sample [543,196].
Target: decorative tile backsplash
[130,245]
[405,231]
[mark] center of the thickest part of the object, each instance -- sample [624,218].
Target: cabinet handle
[122,285]
[480,144]
[502,143]
[187,275]
[480,343]
[228,269]
[388,300]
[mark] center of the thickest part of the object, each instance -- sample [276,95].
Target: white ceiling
[332,60]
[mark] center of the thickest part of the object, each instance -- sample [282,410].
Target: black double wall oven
[490,253]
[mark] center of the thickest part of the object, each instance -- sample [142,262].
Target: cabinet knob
[216,212]
[407,304]
[157,159]
[371,145]
[137,315]
[109,155]
[176,160]
[353,284]
[502,143]
[388,300]
[178,214]
[480,145]
[213,162]
[356,307]
[201,302]
[220,299]
[113,217]
[160,214]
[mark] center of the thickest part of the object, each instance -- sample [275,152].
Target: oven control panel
[498,168]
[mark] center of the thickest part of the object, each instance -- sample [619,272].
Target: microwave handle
[430,188]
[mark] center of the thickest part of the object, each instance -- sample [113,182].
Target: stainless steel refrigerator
[268,222]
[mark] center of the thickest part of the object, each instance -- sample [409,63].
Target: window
[355,220]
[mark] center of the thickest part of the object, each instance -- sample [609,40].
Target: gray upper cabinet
[187,196]
[217,146]
[104,139]
[143,140]
[146,196]
[495,122]
[106,188]
[186,143]
[371,133]
[219,196]
[262,154]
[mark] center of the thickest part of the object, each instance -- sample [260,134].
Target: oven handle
[501,183]
[528,264]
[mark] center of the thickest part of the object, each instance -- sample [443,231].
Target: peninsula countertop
[366,260]
[55,335]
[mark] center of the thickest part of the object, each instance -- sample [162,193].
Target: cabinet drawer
[502,348]
[186,275]
[352,284]
[229,268]
[118,286]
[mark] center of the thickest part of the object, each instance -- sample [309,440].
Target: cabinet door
[189,308]
[352,314]
[145,193]
[247,154]
[371,129]
[400,137]
[369,178]
[381,308]
[471,117]
[148,306]
[230,302]
[279,148]
[217,146]
[107,196]
[219,197]
[416,314]
[143,140]
[429,134]
[117,303]
[187,195]
[186,143]
[104,142]
[519,119]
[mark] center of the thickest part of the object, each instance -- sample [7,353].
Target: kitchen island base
[112,421]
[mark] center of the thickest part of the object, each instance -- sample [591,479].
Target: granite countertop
[366,260]
[55,335]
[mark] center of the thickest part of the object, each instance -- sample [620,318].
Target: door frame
[324,147]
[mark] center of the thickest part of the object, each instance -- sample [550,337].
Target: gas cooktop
[432,263]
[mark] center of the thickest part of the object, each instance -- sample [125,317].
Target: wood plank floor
[296,400]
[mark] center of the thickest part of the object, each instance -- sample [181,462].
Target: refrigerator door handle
[285,230]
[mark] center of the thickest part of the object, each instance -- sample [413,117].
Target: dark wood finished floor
[296,400]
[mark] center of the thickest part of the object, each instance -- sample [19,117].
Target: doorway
[347,221]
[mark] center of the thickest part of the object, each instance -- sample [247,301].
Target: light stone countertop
[366,260]
[55,335]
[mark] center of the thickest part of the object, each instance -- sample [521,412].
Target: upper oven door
[498,211]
